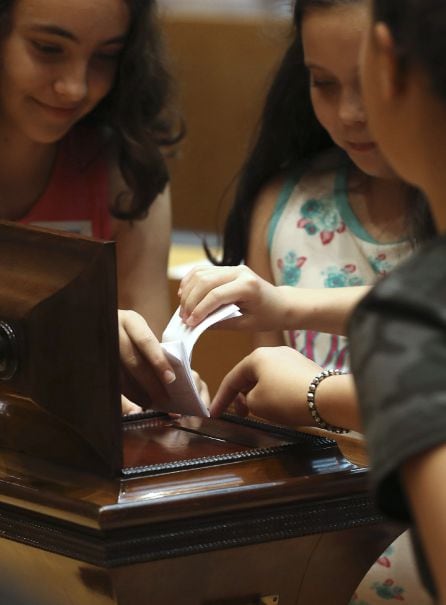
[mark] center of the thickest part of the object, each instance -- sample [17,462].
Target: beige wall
[223,65]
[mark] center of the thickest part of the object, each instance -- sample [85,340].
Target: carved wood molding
[192,536]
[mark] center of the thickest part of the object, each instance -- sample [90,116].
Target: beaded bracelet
[311,400]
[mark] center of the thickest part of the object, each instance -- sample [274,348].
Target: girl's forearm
[423,478]
[319,309]
[337,402]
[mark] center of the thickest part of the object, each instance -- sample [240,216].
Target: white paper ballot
[178,341]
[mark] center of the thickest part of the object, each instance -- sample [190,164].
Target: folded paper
[178,341]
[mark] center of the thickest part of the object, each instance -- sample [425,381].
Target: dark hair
[289,137]
[134,117]
[419,30]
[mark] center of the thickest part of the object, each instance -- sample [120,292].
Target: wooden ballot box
[149,510]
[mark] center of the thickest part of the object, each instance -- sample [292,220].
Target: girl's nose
[72,84]
[351,108]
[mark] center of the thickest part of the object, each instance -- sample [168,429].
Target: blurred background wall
[223,53]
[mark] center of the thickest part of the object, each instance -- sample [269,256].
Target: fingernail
[169,376]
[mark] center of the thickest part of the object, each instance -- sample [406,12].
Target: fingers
[220,295]
[200,292]
[240,380]
[204,290]
[240,406]
[128,407]
[139,348]
[146,390]
[190,276]
[145,367]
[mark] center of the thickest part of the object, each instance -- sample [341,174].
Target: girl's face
[332,40]
[57,63]
[384,122]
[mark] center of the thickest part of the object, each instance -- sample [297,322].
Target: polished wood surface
[311,570]
[221,512]
[58,296]
[294,521]
[181,458]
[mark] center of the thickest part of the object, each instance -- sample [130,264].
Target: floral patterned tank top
[316,241]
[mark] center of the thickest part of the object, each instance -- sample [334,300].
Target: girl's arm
[273,383]
[423,478]
[142,248]
[258,259]
[266,307]
[142,255]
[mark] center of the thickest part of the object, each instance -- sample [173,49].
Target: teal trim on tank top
[340,193]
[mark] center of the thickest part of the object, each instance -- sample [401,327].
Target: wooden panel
[58,297]
[223,67]
[310,570]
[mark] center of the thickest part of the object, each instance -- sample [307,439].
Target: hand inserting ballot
[145,369]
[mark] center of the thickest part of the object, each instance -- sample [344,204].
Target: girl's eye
[322,83]
[45,48]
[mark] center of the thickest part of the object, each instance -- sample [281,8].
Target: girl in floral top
[319,216]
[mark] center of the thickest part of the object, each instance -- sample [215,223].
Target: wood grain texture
[58,294]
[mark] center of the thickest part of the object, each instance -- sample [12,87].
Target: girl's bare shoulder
[267,199]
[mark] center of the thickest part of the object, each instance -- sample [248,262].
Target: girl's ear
[390,76]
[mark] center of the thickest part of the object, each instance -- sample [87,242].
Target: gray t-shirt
[398,349]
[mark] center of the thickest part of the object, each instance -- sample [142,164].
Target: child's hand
[205,289]
[271,382]
[145,369]
[128,407]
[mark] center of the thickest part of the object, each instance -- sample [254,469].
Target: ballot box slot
[157,443]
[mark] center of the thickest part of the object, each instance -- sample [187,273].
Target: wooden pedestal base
[310,570]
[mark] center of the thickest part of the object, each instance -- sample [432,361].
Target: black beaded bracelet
[311,400]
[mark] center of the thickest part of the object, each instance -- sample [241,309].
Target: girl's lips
[362,147]
[58,112]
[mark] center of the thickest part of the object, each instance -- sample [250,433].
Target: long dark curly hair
[137,117]
[289,135]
